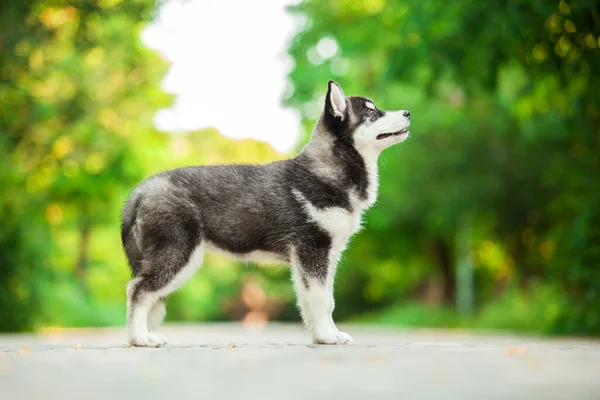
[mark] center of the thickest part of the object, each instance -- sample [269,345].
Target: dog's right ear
[335,102]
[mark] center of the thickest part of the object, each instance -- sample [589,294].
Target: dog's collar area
[386,135]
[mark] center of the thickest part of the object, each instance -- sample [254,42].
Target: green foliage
[505,99]
[413,315]
[78,86]
[535,311]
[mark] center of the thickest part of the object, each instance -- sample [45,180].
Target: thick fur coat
[300,211]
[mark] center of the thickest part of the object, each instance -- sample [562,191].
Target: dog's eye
[370,111]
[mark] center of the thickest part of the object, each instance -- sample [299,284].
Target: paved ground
[230,362]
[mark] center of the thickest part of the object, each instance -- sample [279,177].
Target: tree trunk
[82,258]
[444,258]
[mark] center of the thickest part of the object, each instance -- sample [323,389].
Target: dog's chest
[338,222]
[372,186]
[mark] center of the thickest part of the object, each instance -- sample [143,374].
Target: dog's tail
[130,234]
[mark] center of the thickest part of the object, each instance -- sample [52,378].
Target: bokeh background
[488,217]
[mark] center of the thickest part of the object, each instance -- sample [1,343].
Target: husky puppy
[300,211]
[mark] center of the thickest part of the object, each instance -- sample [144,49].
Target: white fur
[338,222]
[316,305]
[370,105]
[373,188]
[137,318]
[156,316]
[366,134]
[258,256]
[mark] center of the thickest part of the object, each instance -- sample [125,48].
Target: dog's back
[237,209]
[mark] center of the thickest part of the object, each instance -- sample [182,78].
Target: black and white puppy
[300,211]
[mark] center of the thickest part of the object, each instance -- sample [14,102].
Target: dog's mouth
[387,135]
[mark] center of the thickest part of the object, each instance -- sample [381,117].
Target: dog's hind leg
[146,293]
[313,270]
[157,315]
[140,301]
[172,252]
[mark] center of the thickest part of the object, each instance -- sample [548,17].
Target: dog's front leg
[313,275]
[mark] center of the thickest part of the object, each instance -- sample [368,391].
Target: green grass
[535,311]
[412,315]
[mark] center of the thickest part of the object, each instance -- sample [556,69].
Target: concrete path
[228,361]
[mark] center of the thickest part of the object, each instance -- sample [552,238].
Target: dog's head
[359,121]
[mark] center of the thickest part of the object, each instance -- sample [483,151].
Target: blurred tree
[77,88]
[505,103]
[505,98]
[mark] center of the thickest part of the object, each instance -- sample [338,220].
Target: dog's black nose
[406,114]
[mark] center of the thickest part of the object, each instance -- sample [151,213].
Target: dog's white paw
[345,338]
[157,339]
[334,338]
[148,340]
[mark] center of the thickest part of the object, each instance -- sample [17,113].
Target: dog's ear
[335,103]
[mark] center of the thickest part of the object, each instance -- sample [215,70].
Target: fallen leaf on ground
[78,347]
[516,350]
[231,346]
[377,358]
[25,351]
[325,362]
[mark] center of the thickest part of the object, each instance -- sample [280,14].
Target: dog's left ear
[336,101]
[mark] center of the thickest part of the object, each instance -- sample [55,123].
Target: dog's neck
[325,162]
[319,151]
